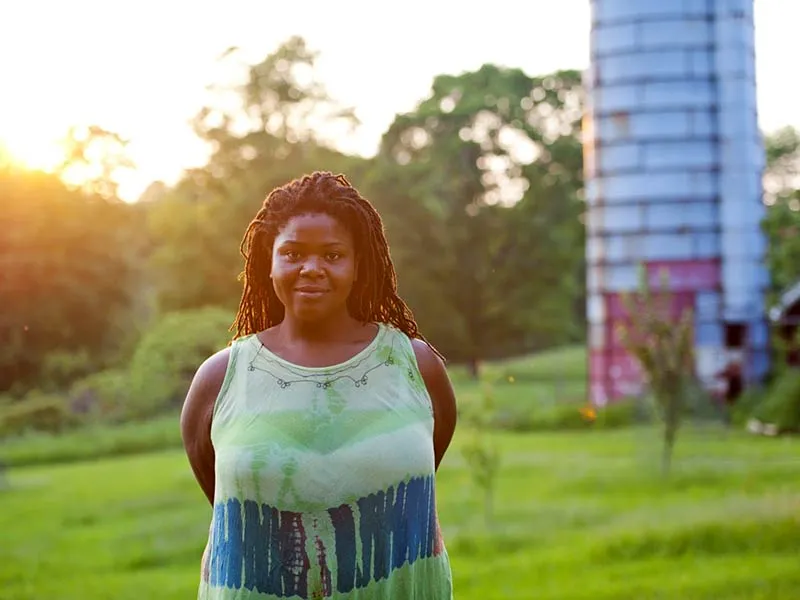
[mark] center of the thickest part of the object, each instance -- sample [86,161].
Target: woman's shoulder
[210,377]
[429,362]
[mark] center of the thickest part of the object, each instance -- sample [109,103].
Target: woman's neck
[293,330]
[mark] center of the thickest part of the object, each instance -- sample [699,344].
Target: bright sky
[140,68]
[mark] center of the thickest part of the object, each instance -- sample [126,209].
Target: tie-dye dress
[325,479]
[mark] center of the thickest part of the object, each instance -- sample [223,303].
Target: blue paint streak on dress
[264,549]
[345,539]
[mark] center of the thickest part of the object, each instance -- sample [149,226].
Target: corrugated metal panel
[618,98]
[703,123]
[669,246]
[690,215]
[643,126]
[743,244]
[706,245]
[620,157]
[677,94]
[597,335]
[680,154]
[697,8]
[594,278]
[624,249]
[619,219]
[709,333]
[689,247]
[686,275]
[708,306]
[656,64]
[592,187]
[595,308]
[621,277]
[709,362]
[758,363]
[758,335]
[595,249]
[677,186]
[611,39]
[701,62]
[672,33]
[619,10]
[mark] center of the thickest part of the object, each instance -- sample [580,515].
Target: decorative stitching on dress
[328,377]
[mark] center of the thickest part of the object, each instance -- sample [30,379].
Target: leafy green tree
[782,194]
[94,160]
[69,263]
[480,188]
[262,133]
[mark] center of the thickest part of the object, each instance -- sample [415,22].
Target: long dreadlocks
[374,295]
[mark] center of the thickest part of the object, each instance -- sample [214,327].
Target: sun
[30,149]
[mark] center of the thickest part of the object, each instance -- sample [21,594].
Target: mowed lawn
[580,515]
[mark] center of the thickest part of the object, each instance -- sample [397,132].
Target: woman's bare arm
[442,396]
[196,417]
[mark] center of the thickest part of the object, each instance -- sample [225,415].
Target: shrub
[60,368]
[746,405]
[481,452]
[625,413]
[168,355]
[102,395]
[36,412]
[571,415]
[91,442]
[781,404]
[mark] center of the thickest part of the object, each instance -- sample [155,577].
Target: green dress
[325,479]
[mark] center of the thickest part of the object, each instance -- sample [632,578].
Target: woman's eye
[291,254]
[334,256]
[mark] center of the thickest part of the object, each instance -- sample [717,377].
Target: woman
[317,434]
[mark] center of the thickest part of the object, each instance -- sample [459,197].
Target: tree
[94,159]
[662,344]
[782,195]
[480,191]
[69,265]
[263,132]
[481,451]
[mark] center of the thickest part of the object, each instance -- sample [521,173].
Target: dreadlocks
[374,295]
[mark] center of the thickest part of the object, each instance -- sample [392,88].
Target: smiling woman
[316,436]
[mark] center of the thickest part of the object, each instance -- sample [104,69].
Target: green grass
[524,389]
[92,442]
[579,515]
[529,389]
[552,369]
[114,512]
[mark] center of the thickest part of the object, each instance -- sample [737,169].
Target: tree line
[480,188]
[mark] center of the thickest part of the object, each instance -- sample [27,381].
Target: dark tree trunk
[473,365]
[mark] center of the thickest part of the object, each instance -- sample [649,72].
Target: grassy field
[115,513]
[578,515]
[527,386]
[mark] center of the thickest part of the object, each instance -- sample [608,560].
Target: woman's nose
[311,266]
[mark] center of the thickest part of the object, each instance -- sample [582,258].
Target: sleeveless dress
[325,479]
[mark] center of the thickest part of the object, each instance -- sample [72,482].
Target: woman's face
[313,267]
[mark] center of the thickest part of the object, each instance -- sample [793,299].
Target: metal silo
[673,169]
